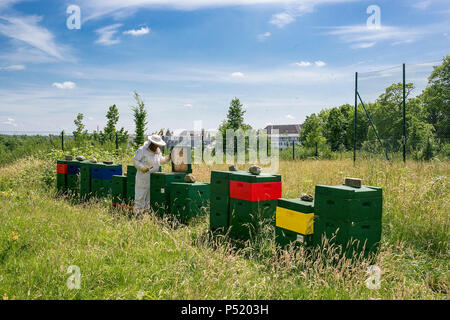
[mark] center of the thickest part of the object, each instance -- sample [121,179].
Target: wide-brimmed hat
[156,139]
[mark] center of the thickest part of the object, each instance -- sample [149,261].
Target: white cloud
[14,67]
[99,8]
[263,36]
[188,105]
[282,19]
[320,63]
[363,45]
[297,9]
[140,32]
[107,33]
[422,4]
[303,64]
[237,75]
[290,117]
[359,36]
[64,85]
[26,29]
[11,122]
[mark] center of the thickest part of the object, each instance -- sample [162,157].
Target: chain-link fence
[394,116]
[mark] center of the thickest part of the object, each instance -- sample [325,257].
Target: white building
[287,134]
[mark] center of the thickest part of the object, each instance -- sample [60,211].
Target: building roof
[284,128]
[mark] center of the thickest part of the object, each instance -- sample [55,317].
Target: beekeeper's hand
[145,170]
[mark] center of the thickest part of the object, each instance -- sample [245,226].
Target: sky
[188,59]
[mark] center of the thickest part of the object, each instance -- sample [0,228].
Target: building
[287,133]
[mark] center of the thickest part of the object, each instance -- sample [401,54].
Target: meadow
[127,257]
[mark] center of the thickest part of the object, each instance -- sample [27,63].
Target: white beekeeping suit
[147,159]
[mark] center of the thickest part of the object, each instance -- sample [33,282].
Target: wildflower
[14,236]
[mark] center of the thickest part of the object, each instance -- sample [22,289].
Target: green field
[122,257]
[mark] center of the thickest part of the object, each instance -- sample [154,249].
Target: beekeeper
[147,159]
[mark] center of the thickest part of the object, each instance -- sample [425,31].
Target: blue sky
[188,59]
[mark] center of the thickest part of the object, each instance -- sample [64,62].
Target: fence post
[203,143]
[317,151]
[293,150]
[356,114]
[62,140]
[404,113]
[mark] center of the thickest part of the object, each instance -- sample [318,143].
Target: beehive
[253,201]
[294,221]
[160,188]
[188,200]
[349,218]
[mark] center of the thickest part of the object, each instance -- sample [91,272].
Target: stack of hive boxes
[188,200]
[101,178]
[61,175]
[219,200]
[294,222]
[85,179]
[253,201]
[351,215]
[131,185]
[119,190]
[73,174]
[160,188]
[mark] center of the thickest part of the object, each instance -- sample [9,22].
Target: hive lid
[343,191]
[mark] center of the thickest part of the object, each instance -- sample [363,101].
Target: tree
[235,117]
[234,121]
[436,98]
[109,132]
[140,120]
[311,133]
[79,132]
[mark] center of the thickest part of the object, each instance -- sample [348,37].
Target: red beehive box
[260,191]
[61,168]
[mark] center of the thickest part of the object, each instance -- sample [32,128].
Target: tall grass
[122,257]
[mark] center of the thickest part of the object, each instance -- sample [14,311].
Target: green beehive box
[182,191]
[219,211]
[285,237]
[246,217]
[131,170]
[119,188]
[348,204]
[159,200]
[297,205]
[97,188]
[73,183]
[107,187]
[262,209]
[348,234]
[164,179]
[61,182]
[220,182]
[184,211]
[251,178]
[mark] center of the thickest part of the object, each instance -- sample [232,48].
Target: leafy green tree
[436,98]
[235,117]
[140,120]
[80,133]
[311,132]
[335,129]
[109,133]
[234,121]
